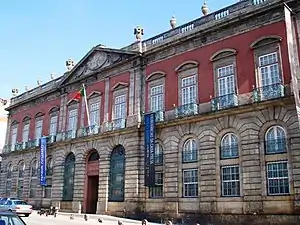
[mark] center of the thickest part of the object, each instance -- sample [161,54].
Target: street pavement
[64,219]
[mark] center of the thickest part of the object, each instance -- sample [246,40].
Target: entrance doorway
[92,194]
[91,183]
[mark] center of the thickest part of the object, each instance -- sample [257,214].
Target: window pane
[278,178]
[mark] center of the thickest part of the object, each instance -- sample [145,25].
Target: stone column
[252,174]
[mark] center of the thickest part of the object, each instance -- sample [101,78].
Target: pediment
[94,94]
[97,59]
[39,114]
[119,85]
[72,102]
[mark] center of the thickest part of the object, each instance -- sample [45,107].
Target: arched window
[275,140]
[49,173]
[189,153]
[94,156]
[69,173]
[159,156]
[8,180]
[33,178]
[117,174]
[20,180]
[229,146]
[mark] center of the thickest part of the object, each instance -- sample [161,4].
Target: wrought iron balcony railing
[19,146]
[24,144]
[61,136]
[71,134]
[7,148]
[229,151]
[159,116]
[224,102]
[118,124]
[268,92]
[186,110]
[85,131]
[52,138]
[275,146]
[190,156]
[33,143]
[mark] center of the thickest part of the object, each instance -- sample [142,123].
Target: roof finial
[204,8]
[138,32]
[173,22]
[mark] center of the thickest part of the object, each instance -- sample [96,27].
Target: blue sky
[38,36]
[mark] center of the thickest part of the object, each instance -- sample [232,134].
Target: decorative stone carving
[138,32]
[204,8]
[15,91]
[70,64]
[173,22]
[97,60]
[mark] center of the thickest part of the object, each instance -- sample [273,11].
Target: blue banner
[149,150]
[43,163]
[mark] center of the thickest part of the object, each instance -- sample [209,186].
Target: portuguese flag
[81,93]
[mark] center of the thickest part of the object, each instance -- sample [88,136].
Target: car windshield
[20,203]
[12,220]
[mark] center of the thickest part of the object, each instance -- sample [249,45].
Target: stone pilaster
[8,127]
[131,93]
[207,177]
[63,113]
[58,178]
[251,176]
[79,181]
[82,114]
[103,185]
[106,99]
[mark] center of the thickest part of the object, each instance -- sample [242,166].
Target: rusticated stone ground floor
[244,161]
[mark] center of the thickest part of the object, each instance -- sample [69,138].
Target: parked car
[20,207]
[10,218]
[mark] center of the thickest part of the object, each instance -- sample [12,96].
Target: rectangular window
[48,188]
[278,178]
[53,125]
[156,98]
[190,183]
[38,129]
[269,69]
[120,107]
[188,90]
[72,122]
[230,181]
[25,135]
[157,191]
[13,141]
[95,113]
[226,83]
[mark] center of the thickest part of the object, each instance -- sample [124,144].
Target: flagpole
[87,109]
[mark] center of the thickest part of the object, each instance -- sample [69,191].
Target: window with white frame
[269,69]
[72,123]
[226,81]
[188,90]
[275,140]
[95,113]
[230,181]
[157,191]
[159,157]
[189,153]
[190,183]
[53,125]
[120,107]
[157,98]
[14,134]
[38,129]
[229,146]
[278,178]
[25,134]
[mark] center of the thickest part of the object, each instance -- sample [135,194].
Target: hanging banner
[149,150]
[43,165]
[293,56]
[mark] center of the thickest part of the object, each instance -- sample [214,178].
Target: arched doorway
[91,182]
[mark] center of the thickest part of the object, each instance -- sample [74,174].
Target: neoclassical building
[226,127]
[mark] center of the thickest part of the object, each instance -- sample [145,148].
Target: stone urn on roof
[204,8]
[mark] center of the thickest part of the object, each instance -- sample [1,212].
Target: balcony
[276,146]
[224,102]
[61,136]
[7,148]
[229,151]
[159,116]
[52,139]
[268,92]
[71,134]
[33,143]
[19,146]
[186,110]
[118,124]
[86,131]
